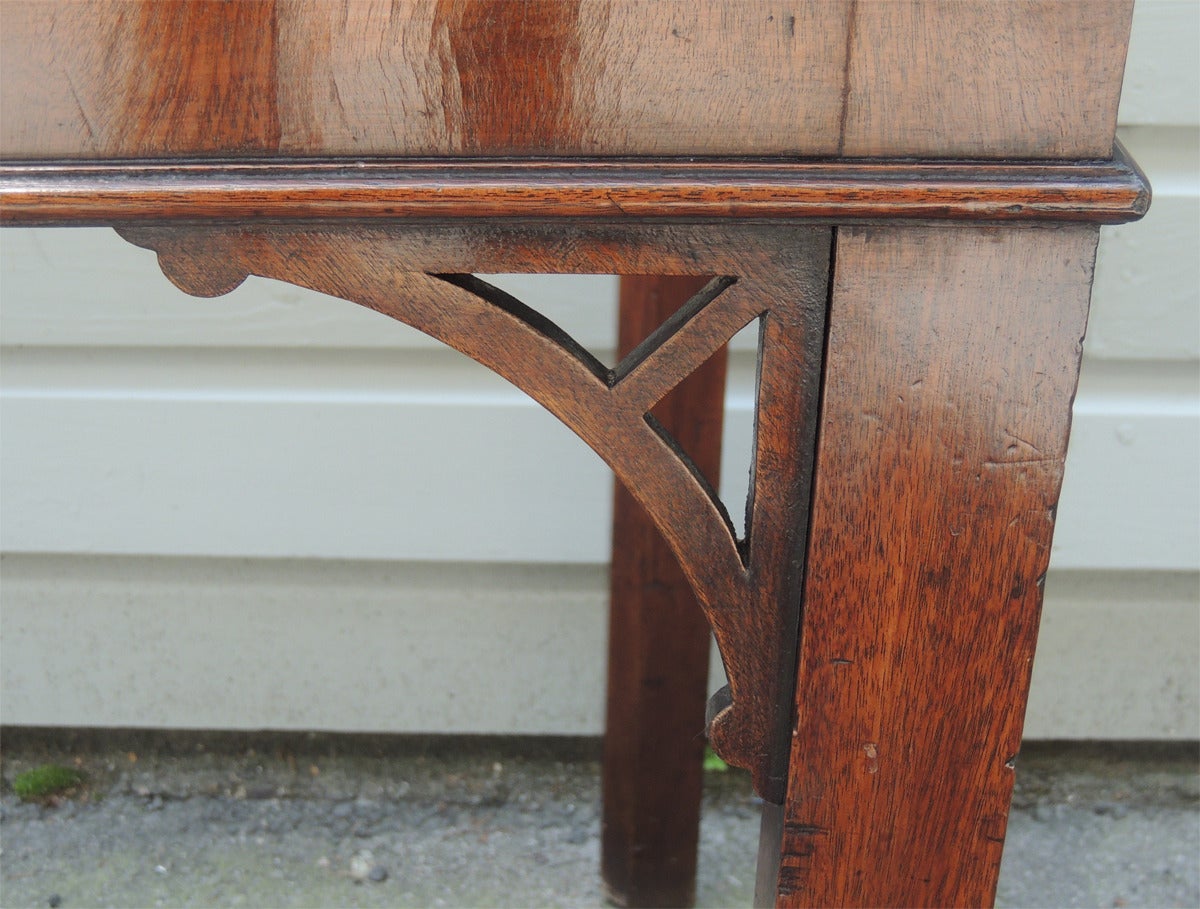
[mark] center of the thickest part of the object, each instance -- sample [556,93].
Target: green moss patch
[46,782]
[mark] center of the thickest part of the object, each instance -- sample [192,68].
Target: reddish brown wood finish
[749,589]
[952,362]
[658,645]
[539,51]
[206,83]
[63,193]
[862,78]
[946,79]
[953,350]
[574,77]
[113,79]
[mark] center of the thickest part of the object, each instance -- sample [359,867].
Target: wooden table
[904,195]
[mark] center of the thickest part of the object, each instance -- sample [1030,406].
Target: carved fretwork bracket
[423,275]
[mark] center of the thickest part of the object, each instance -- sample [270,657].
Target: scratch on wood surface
[1010,462]
[87,121]
[851,17]
[1025,442]
[806,829]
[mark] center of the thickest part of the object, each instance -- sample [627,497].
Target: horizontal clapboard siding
[278,510]
[344,455]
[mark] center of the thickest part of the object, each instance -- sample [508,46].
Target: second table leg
[658,649]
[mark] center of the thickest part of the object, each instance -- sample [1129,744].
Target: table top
[992,110]
[98,79]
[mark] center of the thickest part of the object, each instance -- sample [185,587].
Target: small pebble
[361,865]
[378,874]
[55,901]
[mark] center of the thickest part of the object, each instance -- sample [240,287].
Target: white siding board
[1131,494]
[1162,71]
[280,477]
[348,456]
[1146,299]
[86,287]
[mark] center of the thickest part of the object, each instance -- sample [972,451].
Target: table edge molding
[107,192]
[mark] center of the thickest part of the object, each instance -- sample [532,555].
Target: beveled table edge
[102,192]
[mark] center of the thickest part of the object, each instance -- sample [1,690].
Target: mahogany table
[904,196]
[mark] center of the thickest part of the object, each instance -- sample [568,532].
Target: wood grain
[753,77]
[559,77]
[658,645]
[946,79]
[143,78]
[1106,193]
[421,274]
[952,362]
[112,79]
[533,105]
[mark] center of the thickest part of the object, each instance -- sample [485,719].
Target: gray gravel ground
[266,821]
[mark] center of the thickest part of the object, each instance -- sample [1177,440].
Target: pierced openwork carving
[423,276]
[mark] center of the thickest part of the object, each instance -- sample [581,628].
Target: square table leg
[658,646]
[952,362]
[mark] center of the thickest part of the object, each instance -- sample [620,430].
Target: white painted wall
[274,509]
